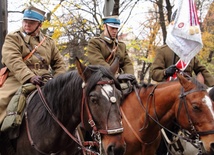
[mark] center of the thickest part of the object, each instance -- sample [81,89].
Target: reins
[197,143]
[95,131]
[147,114]
[90,119]
[54,117]
[57,121]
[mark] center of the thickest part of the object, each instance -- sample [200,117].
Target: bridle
[144,126]
[96,134]
[194,133]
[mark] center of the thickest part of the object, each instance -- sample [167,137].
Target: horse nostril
[113,150]
[212,148]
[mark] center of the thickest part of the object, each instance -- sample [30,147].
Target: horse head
[152,107]
[195,113]
[102,97]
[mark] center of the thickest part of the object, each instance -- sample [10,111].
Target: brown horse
[152,107]
[52,115]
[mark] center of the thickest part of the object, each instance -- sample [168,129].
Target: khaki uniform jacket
[98,52]
[165,58]
[14,50]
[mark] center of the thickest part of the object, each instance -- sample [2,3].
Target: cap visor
[31,19]
[113,25]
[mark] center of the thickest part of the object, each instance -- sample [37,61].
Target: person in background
[19,44]
[164,66]
[104,49]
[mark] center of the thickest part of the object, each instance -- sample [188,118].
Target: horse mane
[145,85]
[56,92]
[98,73]
[199,85]
[64,92]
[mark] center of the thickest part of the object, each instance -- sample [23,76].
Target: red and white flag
[180,65]
[184,34]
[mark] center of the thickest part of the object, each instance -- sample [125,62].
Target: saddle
[15,110]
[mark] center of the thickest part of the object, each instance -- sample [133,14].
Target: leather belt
[38,66]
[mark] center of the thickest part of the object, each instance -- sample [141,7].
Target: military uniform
[14,50]
[99,49]
[165,58]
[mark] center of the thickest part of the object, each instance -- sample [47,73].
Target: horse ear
[81,68]
[115,66]
[187,85]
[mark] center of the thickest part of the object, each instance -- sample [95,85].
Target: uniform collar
[107,39]
[27,37]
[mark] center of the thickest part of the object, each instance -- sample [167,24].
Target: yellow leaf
[57,6]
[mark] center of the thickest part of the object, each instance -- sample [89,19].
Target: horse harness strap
[201,133]
[195,133]
[113,51]
[90,119]
[55,118]
[52,114]
[156,121]
[183,94]
[136,135]
[132,129]
[95,132]
[36,66]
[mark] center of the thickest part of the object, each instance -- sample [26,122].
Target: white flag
[184,34]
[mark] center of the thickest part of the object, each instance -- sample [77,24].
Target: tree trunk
[116,7]
[3,24]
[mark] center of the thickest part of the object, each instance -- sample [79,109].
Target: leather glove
[170,70]
[127,77]
[37,80]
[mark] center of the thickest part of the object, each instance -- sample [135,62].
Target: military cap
[112,21]
[33,13]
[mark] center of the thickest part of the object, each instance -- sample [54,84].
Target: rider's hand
[127,77]
[37,80]
[170,70]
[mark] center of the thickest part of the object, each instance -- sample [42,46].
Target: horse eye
[196,107]
[93,99]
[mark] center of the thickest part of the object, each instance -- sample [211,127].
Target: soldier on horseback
[28,54]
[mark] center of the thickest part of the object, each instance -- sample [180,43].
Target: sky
[14,19]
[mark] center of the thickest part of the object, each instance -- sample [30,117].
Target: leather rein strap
[90,118]
[34,50]
[201,133]
[113,51]
[90,121]
[147,114]
[55,118]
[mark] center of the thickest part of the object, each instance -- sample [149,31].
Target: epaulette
[48,37]
[120,41]
[163,46]
[15,32]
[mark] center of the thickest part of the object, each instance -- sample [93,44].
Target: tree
[73,23]
[3,23]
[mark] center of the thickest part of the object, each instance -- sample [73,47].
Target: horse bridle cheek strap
[90,118]
[182,96]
